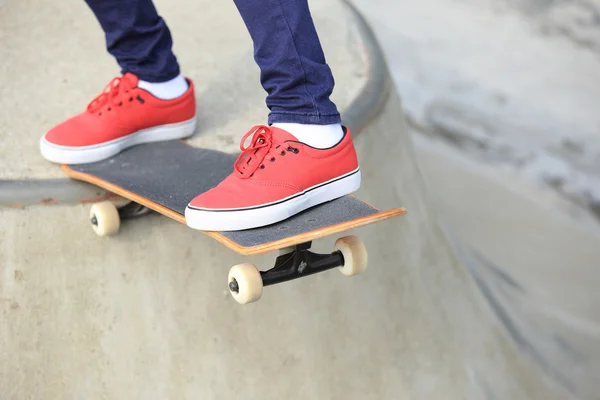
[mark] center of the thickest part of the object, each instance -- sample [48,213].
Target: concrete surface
[537,266]
[530,244]
[512,84]
[52,67]
[147,315]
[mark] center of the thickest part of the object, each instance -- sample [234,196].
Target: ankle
[168,90]
[319,136]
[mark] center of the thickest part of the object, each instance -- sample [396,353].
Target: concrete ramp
[147,315]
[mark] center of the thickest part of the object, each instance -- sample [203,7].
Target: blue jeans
[294,72]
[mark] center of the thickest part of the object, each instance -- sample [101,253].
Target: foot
[123,115]
[274,178]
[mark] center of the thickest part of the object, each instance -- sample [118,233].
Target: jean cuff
[306,119]
[150,77]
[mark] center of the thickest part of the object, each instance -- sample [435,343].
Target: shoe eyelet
[120,104]
[131,99]
[109,108]
[272,159]
[262,166]
[282,152]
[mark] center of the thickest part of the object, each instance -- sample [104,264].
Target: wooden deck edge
[253,250]
[321,233]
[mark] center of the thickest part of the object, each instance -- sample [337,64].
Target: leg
[294,72]
[305,157]
[137,37]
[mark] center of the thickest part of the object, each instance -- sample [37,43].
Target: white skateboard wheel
[105,218]
[355,255]
[245,283]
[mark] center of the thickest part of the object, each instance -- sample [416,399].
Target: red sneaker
[123,115]
[274,178]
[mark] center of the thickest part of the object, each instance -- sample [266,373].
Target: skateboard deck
[166,176]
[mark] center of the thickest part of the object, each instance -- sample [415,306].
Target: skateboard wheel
[245,283]
[105,219]
[355,255]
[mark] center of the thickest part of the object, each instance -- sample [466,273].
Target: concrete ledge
[23,193]
[375,93]
[358,113]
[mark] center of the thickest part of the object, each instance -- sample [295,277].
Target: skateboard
[165,176]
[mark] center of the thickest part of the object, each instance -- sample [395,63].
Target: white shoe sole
[89,154]
[266,214]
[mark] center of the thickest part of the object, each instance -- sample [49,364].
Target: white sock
[319,136]
[168,90]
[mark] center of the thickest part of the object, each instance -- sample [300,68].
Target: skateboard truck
[246,282]
[106,217]
[133,210]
